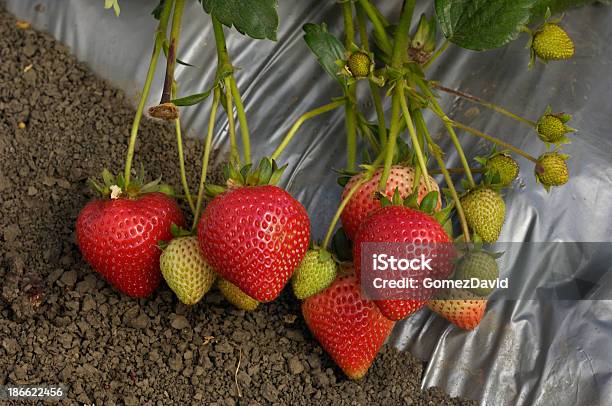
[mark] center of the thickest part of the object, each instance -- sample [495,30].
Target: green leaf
[559,6]
[193,99]
[158,9]
[256,18]
[327,48]
[114,4]
[482,24]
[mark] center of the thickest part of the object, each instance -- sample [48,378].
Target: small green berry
[313,275]
[551,43]
[359,64]
[551,169]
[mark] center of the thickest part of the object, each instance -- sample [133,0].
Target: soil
[62,323]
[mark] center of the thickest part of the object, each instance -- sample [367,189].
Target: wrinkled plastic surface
[524,352]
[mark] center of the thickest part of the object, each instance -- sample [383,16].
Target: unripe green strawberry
[316,272]
[359,64]
[485,212]
[235,296]
[505,166]
[552,127]
[185,270]
[480,265]
[551,43]
[551,169]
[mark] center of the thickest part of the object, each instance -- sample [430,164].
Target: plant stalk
[350,116]
[482,102]
[492,139]
[397,59]
[175,31]
[414,138]
[436,152]
[160,36]
[242,119]
[206,155]
[436,54]
[179,144]
[298,123]
[379,25]
[374,88]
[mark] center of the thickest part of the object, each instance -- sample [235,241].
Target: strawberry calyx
[266,173]
[113,187]
[552,127]
[427,205]
[500,169]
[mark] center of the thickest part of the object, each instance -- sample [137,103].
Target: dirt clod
[62,323]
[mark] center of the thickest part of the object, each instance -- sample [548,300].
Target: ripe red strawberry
[255,237]
[462,308]
[348,327]
[364,202]
[399,224]
[119,237]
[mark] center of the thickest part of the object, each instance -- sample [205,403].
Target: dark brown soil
[61,322]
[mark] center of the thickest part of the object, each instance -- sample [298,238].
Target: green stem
[397,59]
[436,54]
[242,119]
[298,123]
[235,155]
[206,156]
[160,36]
[485,103]
[347,198]
[492,139]
[374,88]
[435,106]
[350,117]
[175,31]
[379,25]
[414,139]
[436,152]
[179,143]
[223,65]
[457,171]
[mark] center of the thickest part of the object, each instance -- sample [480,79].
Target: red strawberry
[119,239]
[399,224]
[350,328]
[255,237]
[465,309]
[364,202]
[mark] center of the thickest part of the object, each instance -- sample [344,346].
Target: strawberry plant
[255,235]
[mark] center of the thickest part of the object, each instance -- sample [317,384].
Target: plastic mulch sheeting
[524,352]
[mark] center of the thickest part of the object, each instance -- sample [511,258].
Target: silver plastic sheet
[524,352]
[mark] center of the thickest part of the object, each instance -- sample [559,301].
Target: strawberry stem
[379,25]
[242,119]
[350,116]
[492,139]
[436,54]
[206,156]
[175,31]
[235,155]
[374,88]
[413,136]
[397,59]
[456,171]
[298,123]
[179,144]
[482,102]
[223,63]
[160,36]
[437,153]
[435,107]
[347,198]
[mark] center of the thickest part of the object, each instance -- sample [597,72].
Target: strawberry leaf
[327,48]
[256,18]
[482,24]
[192,99]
